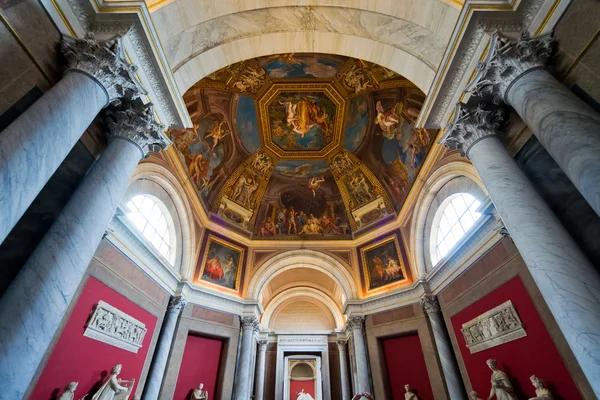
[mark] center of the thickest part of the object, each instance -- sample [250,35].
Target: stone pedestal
[260,370]
[163,348]
[568,282]
[244,374]
[357,325]
[34,304]
[36,143]
[346,394]
[568,128]
[450,370]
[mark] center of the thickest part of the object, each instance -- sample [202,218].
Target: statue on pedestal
[473,395]
[541,393]
[112,387]
[501,386]
[199,394]
[409,395]
[302,395]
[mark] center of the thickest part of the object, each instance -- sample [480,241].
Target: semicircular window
[148,217]
[458,216]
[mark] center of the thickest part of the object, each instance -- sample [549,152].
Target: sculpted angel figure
[111,386]
[387,120]
[541,393]
[501,386]
[314,183]
[217,134]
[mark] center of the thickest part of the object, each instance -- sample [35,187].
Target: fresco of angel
[314,183]
[387,120]
[218,133]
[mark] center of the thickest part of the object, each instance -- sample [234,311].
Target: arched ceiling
[408,36]
[303,146]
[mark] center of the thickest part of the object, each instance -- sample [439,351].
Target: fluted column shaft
[244,378]
[513,72]
[37,142]
[357,324]
[35,302]
[454,384]
[346,394]
[163,348]
[260,370]
[568,282]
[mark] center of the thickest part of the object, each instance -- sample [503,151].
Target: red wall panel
[88,361]
[297,386]
[521,358]
[200,364]
[405,363]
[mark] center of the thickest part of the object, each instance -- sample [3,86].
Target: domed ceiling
[303,146]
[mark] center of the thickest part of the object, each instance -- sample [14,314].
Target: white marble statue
[501,386]
[473,395]
[69,393]
[409,395]
[111,386]
[541,393]
[199,394]
[304,396]
[359,396]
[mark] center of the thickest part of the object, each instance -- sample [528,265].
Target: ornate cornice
[356,322]
[137,125]
[249,323]
[430,304]
[105,62]
[470,125]
[505,61]
[176,304]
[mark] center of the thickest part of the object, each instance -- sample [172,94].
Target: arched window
[458,215]
[148,217]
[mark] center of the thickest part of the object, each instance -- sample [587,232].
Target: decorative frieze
[302,340]
[110,325]
[494,327]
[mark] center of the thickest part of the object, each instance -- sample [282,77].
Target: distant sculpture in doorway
[501,386]
[541,393]
[409,395]
[304,396]
[111,389]
[199,394]
[69,393]
[473,395]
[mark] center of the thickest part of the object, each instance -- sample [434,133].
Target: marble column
[260,370]
[568,282]
[357,325]
[450,370]
[34,304]
[244,377]
[163,348]
[513,72]
[37,142]
[344,381]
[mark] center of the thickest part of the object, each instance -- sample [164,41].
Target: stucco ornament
[541,393]
[137,125]
[105,62]
[409,395]
[506,60]
[469,125]
[199,393]
[502,389]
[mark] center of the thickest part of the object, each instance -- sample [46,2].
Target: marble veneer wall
[196,320]
[396,322]
[496,267]
[113,269]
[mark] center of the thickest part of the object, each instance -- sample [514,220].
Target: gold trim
[238,274]
[64,19]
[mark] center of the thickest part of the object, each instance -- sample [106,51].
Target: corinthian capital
[356,322]
[138,126]
[470,125]
[506,60]
[105,62]
[430,304]
[249,323]
[176,304]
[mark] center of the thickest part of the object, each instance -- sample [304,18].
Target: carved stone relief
[497,326]
[112,326]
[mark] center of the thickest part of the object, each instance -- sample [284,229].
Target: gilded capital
[249,323]
[105,62]
[430,304]
[137,125]
[506,60]
[176,304]
[472,124]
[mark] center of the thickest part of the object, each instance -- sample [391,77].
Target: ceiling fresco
[303,146]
